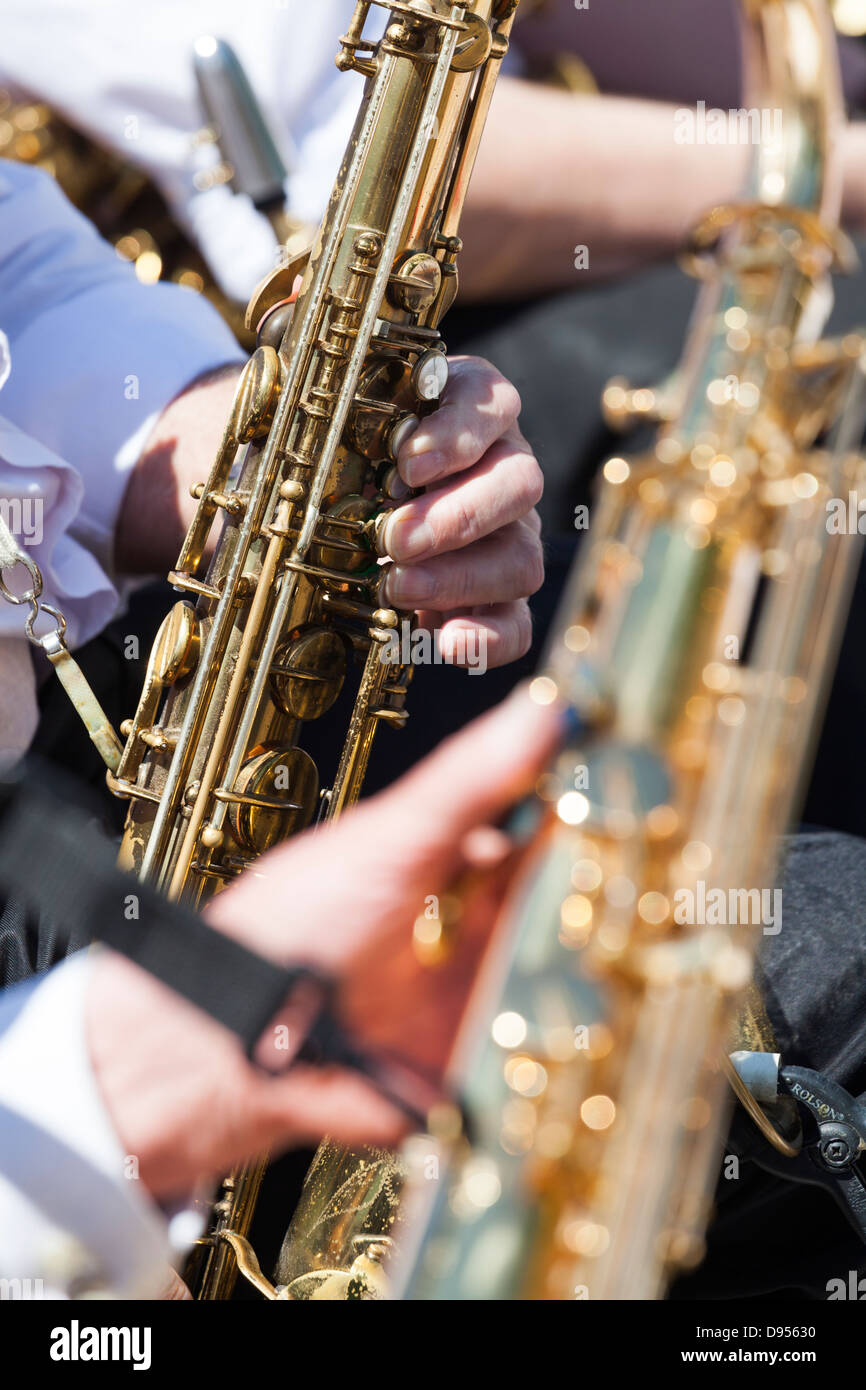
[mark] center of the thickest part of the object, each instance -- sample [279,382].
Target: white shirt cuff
[73,1214]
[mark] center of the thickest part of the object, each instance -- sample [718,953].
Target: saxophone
[271,625]
[694,641]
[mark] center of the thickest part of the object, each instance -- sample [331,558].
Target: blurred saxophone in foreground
[695,641]
[288,604]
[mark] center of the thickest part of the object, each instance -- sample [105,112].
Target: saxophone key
[308,673]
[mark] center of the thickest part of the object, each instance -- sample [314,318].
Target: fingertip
[423,466]
[419,441]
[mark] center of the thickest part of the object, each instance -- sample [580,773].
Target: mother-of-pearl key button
[401,432]
[430,375]
[394,487]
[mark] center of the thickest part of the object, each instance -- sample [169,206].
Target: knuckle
[533,567]
[462,440]
[439,542]
[522,629]
[460,587]
[529,480]
[468,444]
[464,364]
[462,526]
[508,398]
[452,522]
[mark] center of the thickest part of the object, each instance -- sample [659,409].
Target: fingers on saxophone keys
[499,569]
[478,407]
[502,488]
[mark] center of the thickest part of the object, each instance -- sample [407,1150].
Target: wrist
[63,1151]
[146,1069]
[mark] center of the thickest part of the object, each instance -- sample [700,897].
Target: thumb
[477,773]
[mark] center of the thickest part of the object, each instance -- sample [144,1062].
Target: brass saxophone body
[272,623]
[695,640]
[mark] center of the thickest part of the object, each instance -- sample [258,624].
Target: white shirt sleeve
[42,498]
[128,82]
[96,355]
[73,1215]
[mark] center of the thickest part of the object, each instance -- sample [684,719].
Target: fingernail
[407,539]
[408,586]
[420,441]
[421,468]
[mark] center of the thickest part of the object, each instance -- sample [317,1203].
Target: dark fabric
[771,1238]
[29,945]
[60,867]
[814,971]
